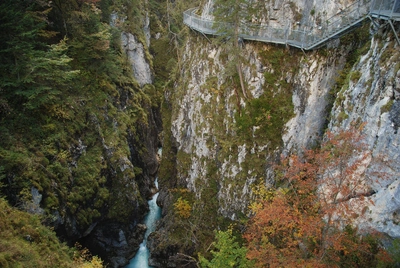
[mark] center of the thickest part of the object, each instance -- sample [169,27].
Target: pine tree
[33,74]
[230,15]
[227,253]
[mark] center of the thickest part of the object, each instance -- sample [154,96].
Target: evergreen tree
[32,73]
[20,42]
[227,253]
[230,16]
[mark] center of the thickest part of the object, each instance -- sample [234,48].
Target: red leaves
[302,225]
[277,231]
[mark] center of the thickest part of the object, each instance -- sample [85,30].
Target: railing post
[286,33]
[391,13]
[371,6]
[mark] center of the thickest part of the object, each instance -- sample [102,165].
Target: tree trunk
[239,70]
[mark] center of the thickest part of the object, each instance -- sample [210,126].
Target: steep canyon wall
[226,140]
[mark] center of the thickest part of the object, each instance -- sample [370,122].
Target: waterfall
[141,259]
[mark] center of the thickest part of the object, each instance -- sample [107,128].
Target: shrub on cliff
[25,242]
[308,221]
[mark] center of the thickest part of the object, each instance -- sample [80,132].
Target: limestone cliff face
[316,79]
[372,97]
[135,51]
[214,144]
[204,123]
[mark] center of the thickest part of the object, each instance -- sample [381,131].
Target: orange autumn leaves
[306,221]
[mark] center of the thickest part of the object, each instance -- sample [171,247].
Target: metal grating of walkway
[307,39]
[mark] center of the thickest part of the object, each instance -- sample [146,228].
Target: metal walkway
[306,38]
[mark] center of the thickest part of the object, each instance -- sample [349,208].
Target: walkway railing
[386,9]
[305,38]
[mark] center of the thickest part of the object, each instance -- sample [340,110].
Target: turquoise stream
[141,259]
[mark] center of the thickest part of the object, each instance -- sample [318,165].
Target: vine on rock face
[308,221]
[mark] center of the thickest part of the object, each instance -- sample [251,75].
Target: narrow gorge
[91,90]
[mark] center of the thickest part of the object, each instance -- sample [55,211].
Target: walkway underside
[305,38]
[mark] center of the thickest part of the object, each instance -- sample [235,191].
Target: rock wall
[219,158]
[207,106]
[116,238]
[311,98]
[204,123]
[371,97]
[136,53]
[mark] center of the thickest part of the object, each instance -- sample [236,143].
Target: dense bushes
[67,102]
[25,242]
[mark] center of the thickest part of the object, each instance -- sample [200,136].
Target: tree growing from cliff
[307,221]
[183,208]
[230,14]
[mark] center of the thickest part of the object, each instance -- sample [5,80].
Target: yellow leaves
[255,206]
[96,262]
[179,190]
[214,91]
[182,208]
[63,155]
[83,258]
[284,190]
[263,192]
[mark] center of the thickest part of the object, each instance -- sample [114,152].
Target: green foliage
[355,76]
[49,74]
[266,116]
[394,251]
[183,227]
[342,116]
[388,53]
[25,242]
[66,107]
[232,13]
[270,78]
[227,253]
[387,107]
[357,38]
[191,226]
[167,171]
[2,176]
[276,57]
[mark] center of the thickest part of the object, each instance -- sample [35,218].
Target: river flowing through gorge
[141,259]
